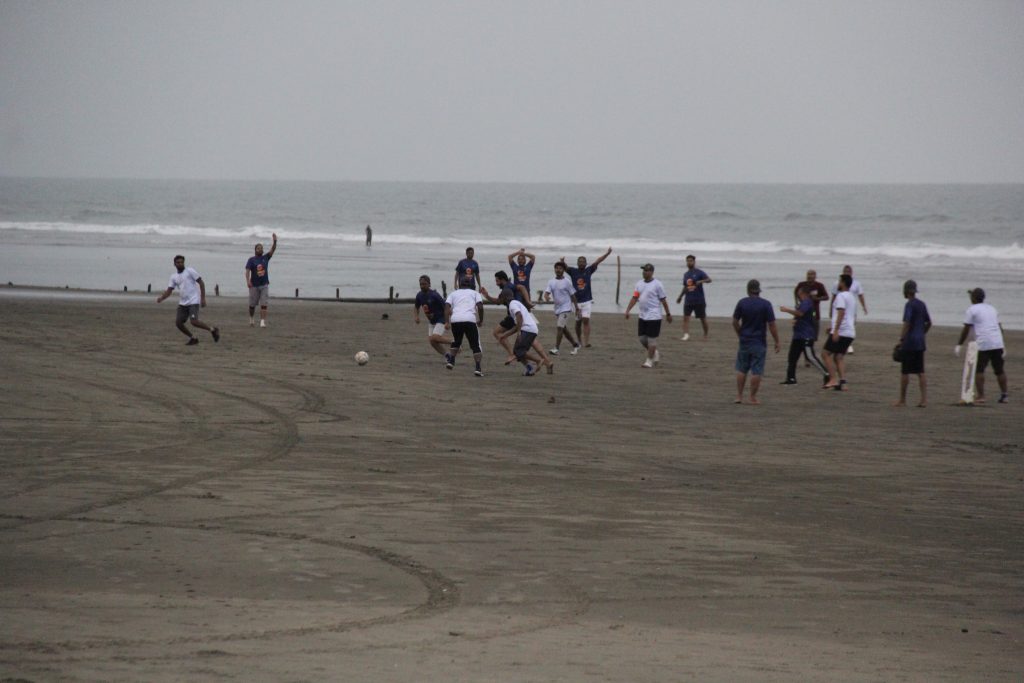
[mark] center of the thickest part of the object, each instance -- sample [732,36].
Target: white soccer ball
[362,358]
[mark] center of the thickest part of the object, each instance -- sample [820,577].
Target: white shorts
[585,308]
[561,319]
[436,330]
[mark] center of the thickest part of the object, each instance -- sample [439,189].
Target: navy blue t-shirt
[521,273]
[581,280]
[754,314]
[259,267]
[431,304]
[803,328]
[467,267]
[695,295]
[916,313]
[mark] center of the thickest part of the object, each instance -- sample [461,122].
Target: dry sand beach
[263,509]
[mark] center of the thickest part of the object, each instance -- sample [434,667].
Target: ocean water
[107,234]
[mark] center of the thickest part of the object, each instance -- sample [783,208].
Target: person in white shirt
[191,297]
[651,296]
[841,334]
[855,290]
[988,333]
[463,315]
[563,291]
[526,330]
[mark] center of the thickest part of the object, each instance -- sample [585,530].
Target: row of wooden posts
[393,297]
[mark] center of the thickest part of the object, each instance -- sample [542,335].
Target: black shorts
[648,328]
[507,323]
[993,355]
[470,332]
[912,363]
[524,342]
[838,347]
[697,310]
[187,312]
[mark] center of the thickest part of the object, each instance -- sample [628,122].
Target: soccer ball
[362,358]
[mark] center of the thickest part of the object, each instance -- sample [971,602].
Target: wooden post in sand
[337,292]
[216,290]
[618,277]
[391,294]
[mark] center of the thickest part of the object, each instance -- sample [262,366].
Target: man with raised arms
[841,334]
[561,290]
[467,267]
[750,319]
[191,297]
[432,305]
[651,296]
[463,315]
[983,319]
[694,280]
[581,276]
[257,281]
[521,264]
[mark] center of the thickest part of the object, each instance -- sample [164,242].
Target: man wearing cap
[916,323]
[752,317]
[651,296]
[694,280]
[988,333]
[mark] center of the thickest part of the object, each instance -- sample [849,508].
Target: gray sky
[715,91]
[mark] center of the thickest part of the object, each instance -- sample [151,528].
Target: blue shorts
[750,359]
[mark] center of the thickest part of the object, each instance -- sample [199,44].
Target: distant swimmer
[191,297]
[751,318]
[561,290]
[369,235]
[651,295]
[916,323]
[463,315]
[841,334]
[257,281]
[694,280]
[983,319]
[431,304]
[804,335]
[521,265]
[581,276]
[467,267]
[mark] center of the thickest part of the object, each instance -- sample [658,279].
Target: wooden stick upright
[618,277]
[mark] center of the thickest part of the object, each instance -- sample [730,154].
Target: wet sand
[263,509]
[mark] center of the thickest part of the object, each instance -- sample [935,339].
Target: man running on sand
[563,292]
[432,305]
[257,281]
[191,297]
[519,293]
[463,315]
[581,276]
[694,280]
[526,330]
[804,335]
[651,296]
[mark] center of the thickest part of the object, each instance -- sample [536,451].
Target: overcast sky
[624,91]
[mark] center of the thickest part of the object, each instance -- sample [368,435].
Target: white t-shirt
[650,293]
[855,289]
[463,303]
[188,289]
[529,322]
[845,301]
[561,291]
[985,320]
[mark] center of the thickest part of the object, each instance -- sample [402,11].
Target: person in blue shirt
[916,323]
[581,276]
[257,281]
[521,265]
[751,317]
[431,304]
[804,334]
[694,280]
[467,268]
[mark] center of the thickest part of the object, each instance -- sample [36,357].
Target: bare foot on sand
[899,404]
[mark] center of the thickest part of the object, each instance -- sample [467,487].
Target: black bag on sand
[897,353]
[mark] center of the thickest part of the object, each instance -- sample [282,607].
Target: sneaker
[553,352]
[263,323]
[575,350]
[850,350]
[252,323]
[685,337]
[449,361]
[192,342]
[216,334]
[647,364]
[657,356]
[789,381]
[478,372]
[530,370]
[1004,398]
